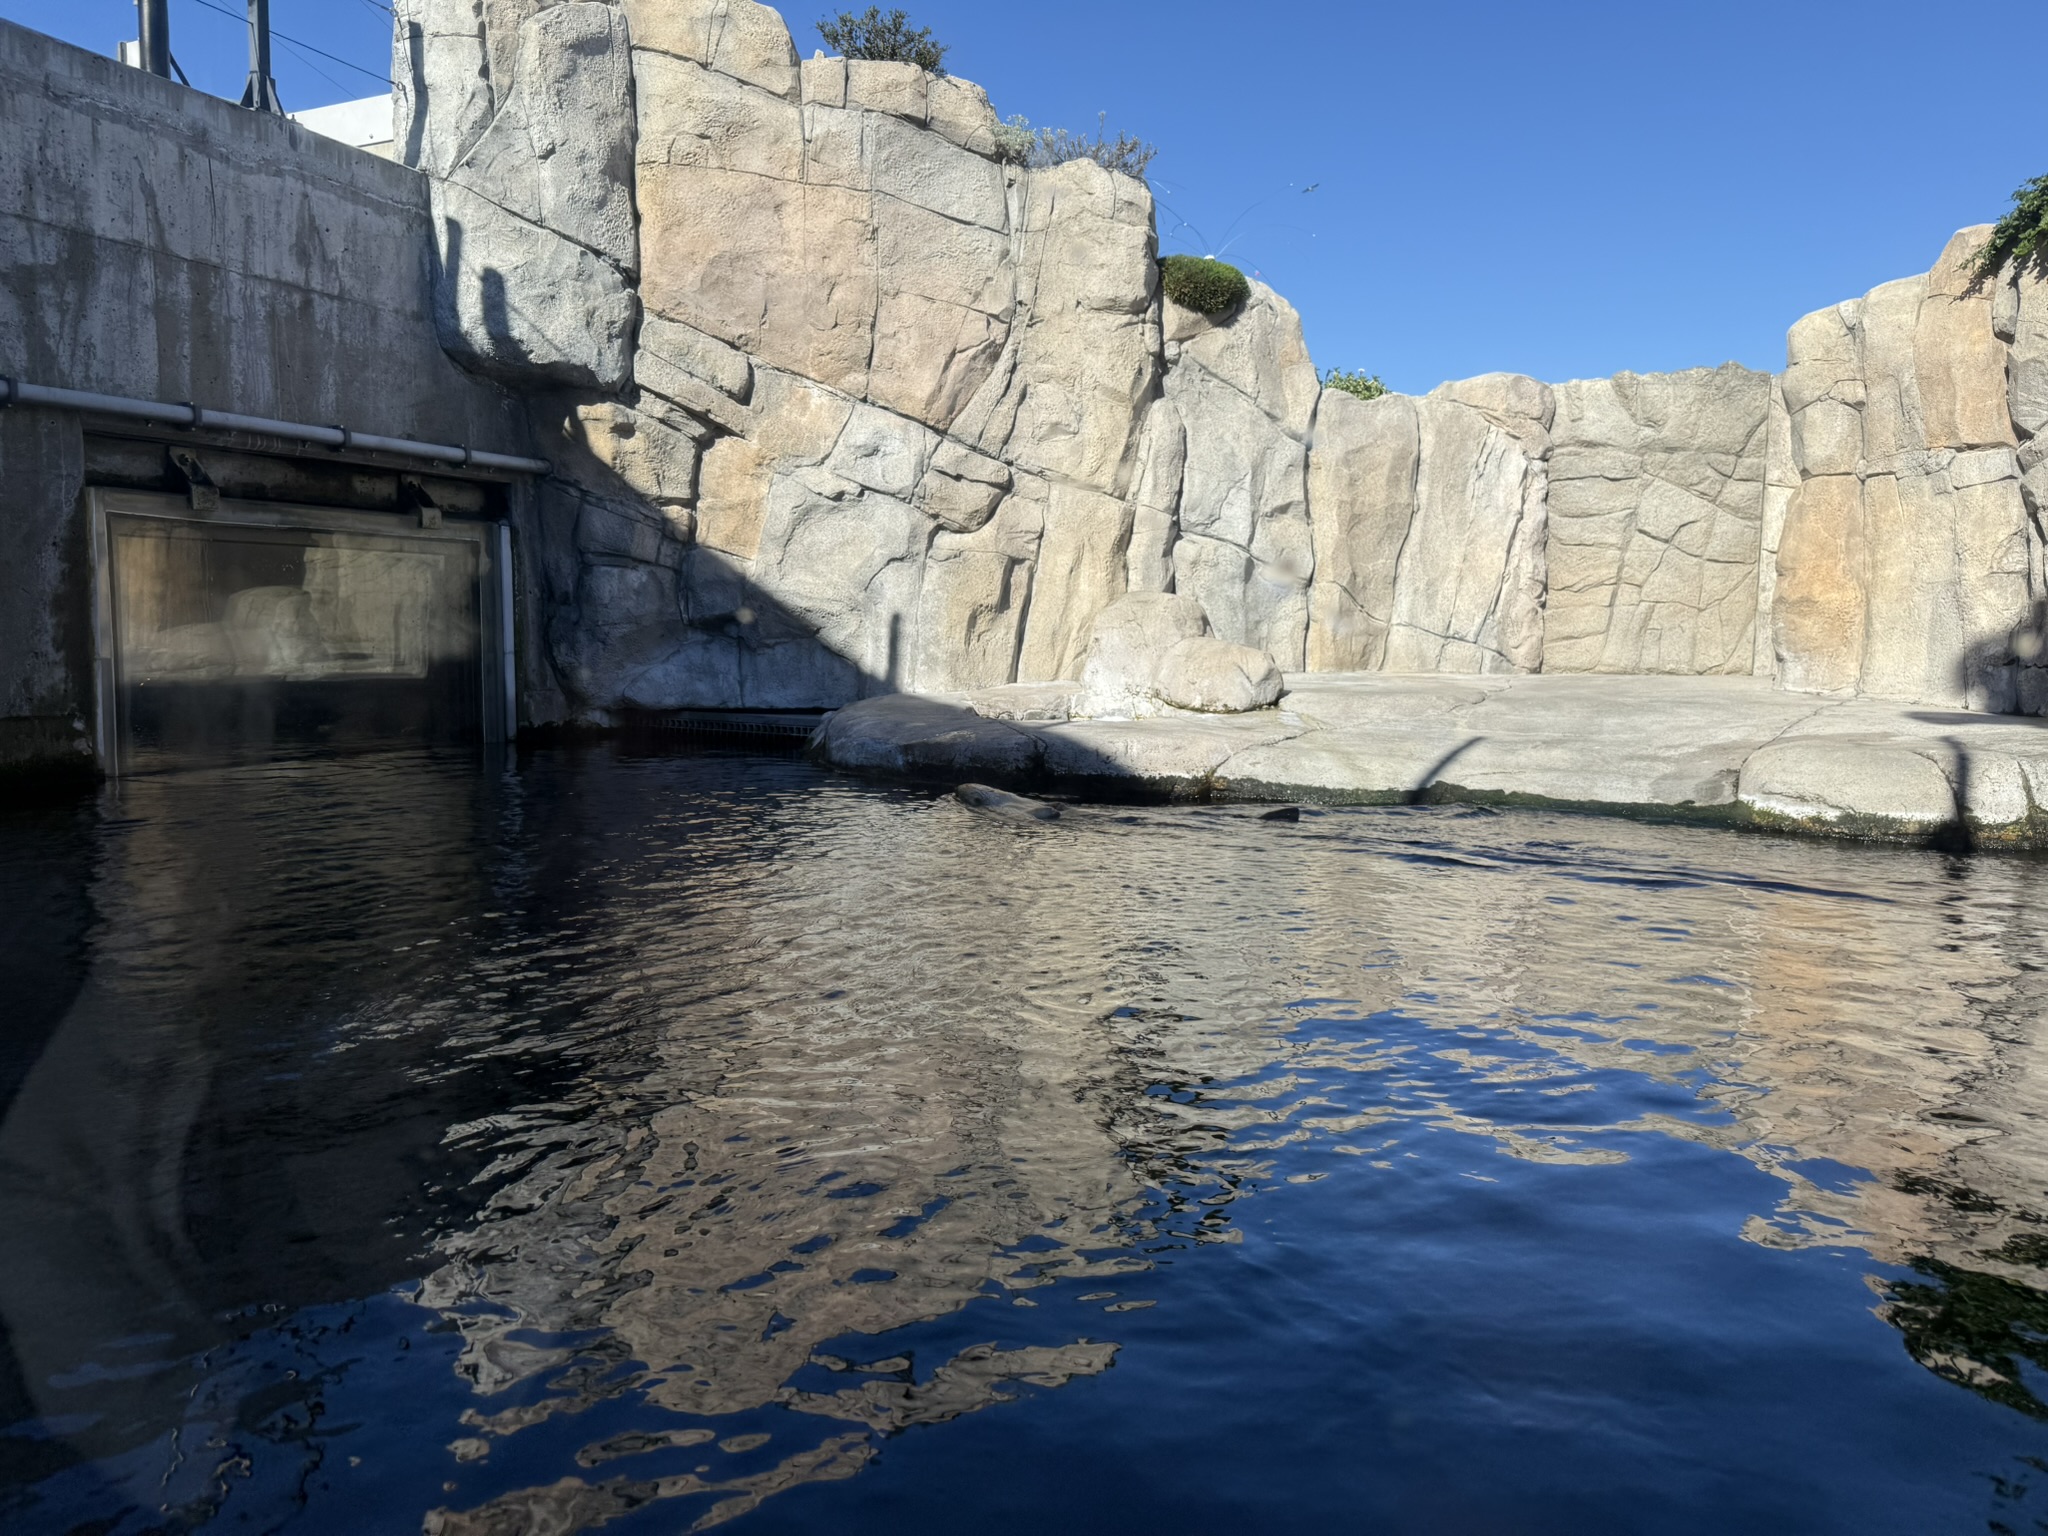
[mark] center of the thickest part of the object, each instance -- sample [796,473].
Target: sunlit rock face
[876,426]
[1243,393]
[842,404]
[1429,520]
[1657,499]
[1909,565]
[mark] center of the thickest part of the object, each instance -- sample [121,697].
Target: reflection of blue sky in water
[643,1143]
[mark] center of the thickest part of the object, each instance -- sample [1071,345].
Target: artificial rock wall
[1910,564]
[847,406]
[843,404]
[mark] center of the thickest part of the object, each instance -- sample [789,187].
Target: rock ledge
[1732,750]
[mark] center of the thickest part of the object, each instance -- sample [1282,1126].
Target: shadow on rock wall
[643,615]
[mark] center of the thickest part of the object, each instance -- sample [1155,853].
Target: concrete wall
[161,243]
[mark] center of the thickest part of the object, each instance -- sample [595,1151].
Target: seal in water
[1001,803]
[1285,813]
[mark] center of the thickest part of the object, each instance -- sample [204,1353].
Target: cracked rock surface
[843,405]
[1733,749]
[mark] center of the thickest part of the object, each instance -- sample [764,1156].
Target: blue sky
[1563,190]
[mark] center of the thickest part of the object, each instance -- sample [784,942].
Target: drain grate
[785,728]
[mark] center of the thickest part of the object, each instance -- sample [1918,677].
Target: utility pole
[262,92]
[155,18]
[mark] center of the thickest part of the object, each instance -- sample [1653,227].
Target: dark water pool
[652,1144]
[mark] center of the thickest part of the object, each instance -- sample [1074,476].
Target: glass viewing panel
[237,641]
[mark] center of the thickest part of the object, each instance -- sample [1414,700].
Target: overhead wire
[309,63]
[296,45]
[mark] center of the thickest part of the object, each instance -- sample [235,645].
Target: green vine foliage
[1366,386]
[2022,235]
[1206,286]
[890,38]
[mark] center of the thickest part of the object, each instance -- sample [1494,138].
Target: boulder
[909,734]
[1216,678]
[1153,650]
[1176,754]
[1824,778]
[1125,646]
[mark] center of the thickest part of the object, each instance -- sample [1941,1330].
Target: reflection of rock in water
[1871,1024]
[875,1132]
[574,1505]
[683,1079]
[849,1132]
[972,1380]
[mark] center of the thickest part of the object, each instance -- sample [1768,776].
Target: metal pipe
[186,414]
[154,17]
[261,93]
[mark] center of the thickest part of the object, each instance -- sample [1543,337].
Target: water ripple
[591,1141]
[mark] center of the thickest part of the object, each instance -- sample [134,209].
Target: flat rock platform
[1727,749]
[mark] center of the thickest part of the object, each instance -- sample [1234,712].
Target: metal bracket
[412,493]
[200,490]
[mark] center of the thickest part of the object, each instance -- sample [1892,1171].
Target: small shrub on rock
[2022,235]
[1041,148]
[890,38]
[1125,154]
[1366,386]
[1206,286]
[1016,140]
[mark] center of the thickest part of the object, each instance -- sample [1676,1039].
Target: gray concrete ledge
[1727,749]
